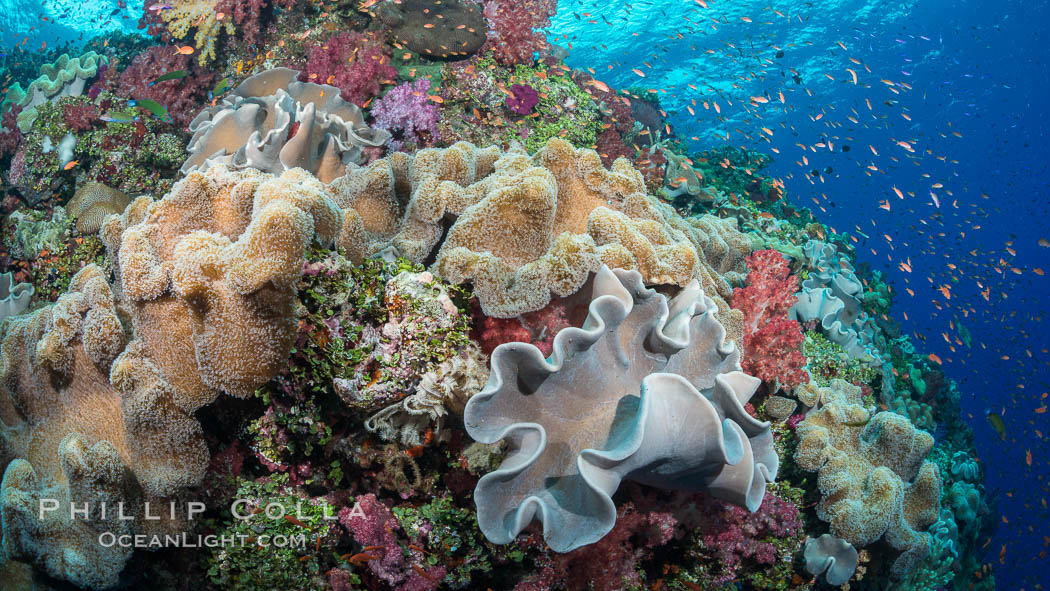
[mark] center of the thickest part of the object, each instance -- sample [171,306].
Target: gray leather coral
[14,297]
[645,391]
[273,122]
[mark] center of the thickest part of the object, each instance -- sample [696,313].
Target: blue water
[975,68]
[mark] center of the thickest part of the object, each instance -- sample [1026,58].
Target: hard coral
[354,62]
[772,342]
[644,391]
[512,37]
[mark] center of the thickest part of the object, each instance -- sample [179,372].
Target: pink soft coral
[772,342]
[729,535]
[183,96]
[373,525]
[354,62]
[406,112]
[513,38]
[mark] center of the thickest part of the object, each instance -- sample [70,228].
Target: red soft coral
[610,147]
[354,62]
[248,14]
[10,136]
[512,36]
[772,342]
[183,97]
[80,117]
[611,563]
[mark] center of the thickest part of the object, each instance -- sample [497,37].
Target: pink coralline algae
[772,342]
[406,113]
[182,96]
[513,38]
[374,526]
[522,99]
[353,62]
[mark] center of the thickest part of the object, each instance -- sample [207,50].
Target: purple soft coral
[407,114]
[523,99]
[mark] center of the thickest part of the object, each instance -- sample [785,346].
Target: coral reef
[92,203]
[355,63]
[831,295]
[512,36]
[273,123]
[182,97]
[84,422]
[210,271]
[873,476]
[202,16]
[565,465]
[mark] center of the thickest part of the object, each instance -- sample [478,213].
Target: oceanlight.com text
[110,539]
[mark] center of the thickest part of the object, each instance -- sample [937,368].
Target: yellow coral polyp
[185,14]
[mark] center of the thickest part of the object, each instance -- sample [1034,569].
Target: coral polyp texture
[272,122]
[78,428]
[873,475]
[209,272]
[645,391]
[478,313]
[527,227]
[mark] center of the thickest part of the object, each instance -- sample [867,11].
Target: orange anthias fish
[184,50]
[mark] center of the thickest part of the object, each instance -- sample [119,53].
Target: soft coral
[772,342]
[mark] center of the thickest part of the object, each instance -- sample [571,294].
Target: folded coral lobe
[645,390]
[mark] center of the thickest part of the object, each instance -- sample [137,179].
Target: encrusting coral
[644,391]
[274,123]
[79,426]
[872,474]
[528,227]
